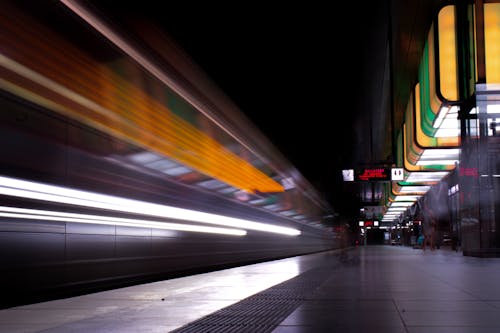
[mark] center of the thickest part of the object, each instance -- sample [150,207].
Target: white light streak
[36,214]
[51,193]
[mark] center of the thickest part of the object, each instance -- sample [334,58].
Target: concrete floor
[365,289]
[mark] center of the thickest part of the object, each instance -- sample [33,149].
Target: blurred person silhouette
[428,225]
[428,217]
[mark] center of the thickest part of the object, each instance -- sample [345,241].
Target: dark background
[306,74]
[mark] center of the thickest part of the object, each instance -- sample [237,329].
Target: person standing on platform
[428,226]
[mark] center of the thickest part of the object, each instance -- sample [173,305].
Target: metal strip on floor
[261,312]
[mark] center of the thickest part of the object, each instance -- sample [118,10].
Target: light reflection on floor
[153,307]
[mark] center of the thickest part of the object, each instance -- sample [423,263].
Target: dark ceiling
[315,78]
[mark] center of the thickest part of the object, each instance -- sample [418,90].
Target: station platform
[363,289]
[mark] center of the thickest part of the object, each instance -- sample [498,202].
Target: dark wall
[375,237]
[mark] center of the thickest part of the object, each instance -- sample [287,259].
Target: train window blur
[108,139]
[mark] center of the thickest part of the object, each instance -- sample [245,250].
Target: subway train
[121,163]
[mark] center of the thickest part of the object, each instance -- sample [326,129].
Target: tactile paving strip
[261,312]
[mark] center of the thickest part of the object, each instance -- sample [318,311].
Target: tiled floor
[366,289]
[399,289]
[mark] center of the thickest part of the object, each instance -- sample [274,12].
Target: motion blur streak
[61,77]
[114,37]
[44,215]
[124,163]
[38,191]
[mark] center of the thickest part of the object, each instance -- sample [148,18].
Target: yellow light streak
[45,69]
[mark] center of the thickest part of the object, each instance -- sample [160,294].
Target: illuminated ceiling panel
[439,157]
[396,209]
[426,176]
[438,88]
[447,123]
[491,37]
[417,159]
[401,204]
[398,190]
[493,109]
[446,119]
[415,189]
[411,198]
[437,154]
[447,54]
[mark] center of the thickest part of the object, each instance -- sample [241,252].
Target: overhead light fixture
[391,215]
[396,209]
[493,109]
[437,162]
[415,189]
[426,176]
[409,198]
[401,204]
[440,117]
[441,153]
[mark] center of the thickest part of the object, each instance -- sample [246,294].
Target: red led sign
[469,172]
[372,174]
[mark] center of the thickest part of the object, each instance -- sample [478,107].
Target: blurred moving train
[121,163]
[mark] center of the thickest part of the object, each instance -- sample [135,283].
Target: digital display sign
[373,174]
